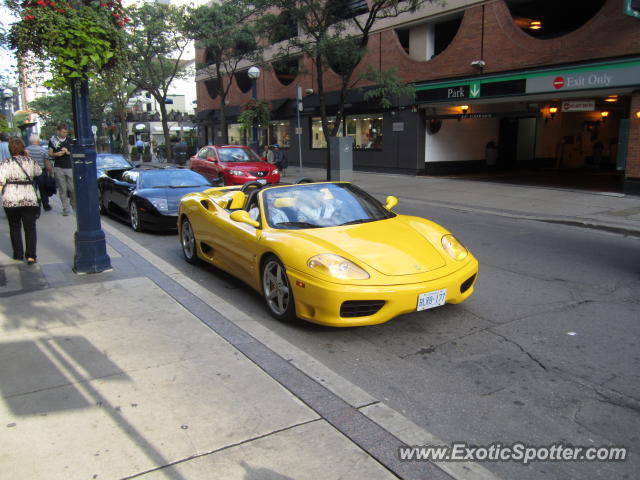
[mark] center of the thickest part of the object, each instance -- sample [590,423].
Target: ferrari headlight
[454,248]
[237,173]
[337,267]
[275,172]
[159,203]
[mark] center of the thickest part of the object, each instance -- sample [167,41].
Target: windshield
[321,205]
[112,162]
[172,179]
[238,154]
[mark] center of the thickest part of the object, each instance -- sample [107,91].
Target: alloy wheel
[188,241]
[276,288]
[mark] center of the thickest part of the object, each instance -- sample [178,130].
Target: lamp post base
[91,252]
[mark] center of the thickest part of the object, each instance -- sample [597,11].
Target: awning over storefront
[560,81]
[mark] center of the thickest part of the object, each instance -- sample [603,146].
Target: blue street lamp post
[254,74]
[90,244]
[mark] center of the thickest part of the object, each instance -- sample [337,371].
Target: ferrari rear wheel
[277,290]
[188,241]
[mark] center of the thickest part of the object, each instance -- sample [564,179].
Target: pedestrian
[280,159]
[268,154]
[60,151]
[20,199]
[4,146]
[40,155]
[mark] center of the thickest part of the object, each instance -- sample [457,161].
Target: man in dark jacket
[280,160]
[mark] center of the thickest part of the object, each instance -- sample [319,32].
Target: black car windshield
[238,154]
[171,179]
[104,162]
[321,205]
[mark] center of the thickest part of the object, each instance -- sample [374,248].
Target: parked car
[111,161]
[328,253]
[233,165]
[148,197]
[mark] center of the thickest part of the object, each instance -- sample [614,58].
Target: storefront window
[279,133]
[236,134]
[366,131]
[317,136]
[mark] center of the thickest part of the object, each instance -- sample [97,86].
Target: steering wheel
[248,185]
[304,180]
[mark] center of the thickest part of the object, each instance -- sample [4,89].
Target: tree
[334,35]
[223,31]
[156,44]
[55,108]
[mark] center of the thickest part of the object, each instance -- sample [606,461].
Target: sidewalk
[611,212]
[139,372]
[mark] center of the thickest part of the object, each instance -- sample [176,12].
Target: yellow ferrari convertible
[326,252]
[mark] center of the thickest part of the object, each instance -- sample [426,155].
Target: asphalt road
[547,350]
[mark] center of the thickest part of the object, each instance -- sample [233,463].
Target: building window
[317,136]
[544,19]
[279,133]
[366,131]
[236,134]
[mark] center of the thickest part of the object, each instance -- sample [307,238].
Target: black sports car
[148,197]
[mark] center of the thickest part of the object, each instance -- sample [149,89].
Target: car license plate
[431,299]
[263,181]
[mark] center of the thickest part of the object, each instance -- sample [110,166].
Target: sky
[7,59]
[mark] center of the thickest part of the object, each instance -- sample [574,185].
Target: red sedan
[234,165]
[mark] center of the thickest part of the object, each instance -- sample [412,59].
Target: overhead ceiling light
[611,98]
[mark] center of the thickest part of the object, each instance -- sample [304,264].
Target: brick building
[506,84]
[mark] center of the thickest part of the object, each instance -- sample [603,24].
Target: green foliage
[388,85]
[20,118]
[135,154]
[228,38]
[335,38]
[255,112]
[4,124]
[156,42]
[69,42]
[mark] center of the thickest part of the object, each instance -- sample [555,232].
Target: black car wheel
[188,241]
[277,290]
[134,217]
[103,207]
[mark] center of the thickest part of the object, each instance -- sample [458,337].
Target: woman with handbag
[20,199]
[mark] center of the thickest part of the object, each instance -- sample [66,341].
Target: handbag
[50,186]
[33,184]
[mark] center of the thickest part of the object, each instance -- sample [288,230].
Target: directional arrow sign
[474,89]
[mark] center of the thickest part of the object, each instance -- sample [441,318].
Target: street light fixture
[254,74]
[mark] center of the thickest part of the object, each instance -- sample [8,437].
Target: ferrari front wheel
[277,290]
[188,241]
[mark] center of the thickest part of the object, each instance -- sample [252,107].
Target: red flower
[60,10]
[42,3]
[115,15]
[104,4]
[29,17]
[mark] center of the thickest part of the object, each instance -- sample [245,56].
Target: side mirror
[242,216]
[391,202]
[212,160]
